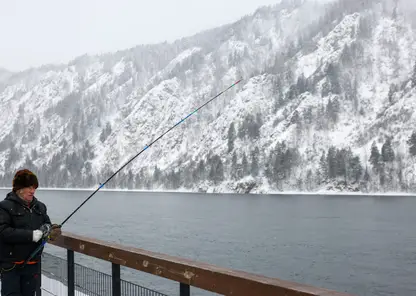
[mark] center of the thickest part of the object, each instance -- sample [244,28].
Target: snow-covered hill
[325,87]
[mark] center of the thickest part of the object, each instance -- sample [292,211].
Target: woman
[22,216]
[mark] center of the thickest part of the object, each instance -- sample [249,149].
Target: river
[364,245]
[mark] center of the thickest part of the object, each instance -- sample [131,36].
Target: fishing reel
[46,229]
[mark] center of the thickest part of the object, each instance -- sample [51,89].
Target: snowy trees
[250,127]
[280,163]
[340,164]
[246,150]
[386,166]
[284,167]
[332,83]
[242,166]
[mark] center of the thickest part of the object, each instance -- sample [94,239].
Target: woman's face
[27,193]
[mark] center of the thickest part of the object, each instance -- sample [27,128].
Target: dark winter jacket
[17,222]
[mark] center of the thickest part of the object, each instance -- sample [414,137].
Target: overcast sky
[35,32]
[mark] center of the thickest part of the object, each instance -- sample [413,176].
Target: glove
[55,232]
[37,235]
[46,229]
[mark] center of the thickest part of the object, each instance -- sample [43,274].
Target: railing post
[184,290]
[115,270]
[39,280]
[71,272]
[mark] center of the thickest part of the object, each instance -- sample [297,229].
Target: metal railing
[86,280]
[186,272]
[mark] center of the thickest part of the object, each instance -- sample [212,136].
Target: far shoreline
[271,193]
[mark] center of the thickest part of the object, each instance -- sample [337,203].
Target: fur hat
[24,178]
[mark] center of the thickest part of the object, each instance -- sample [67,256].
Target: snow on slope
[330,47]
[121,102]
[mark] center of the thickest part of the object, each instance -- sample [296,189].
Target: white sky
[35,32]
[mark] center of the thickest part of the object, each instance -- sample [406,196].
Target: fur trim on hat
[24,178]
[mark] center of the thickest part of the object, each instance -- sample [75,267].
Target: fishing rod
[48,230]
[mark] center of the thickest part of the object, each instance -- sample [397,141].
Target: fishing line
[46,235]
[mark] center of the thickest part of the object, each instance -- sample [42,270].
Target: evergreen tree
[200,170]
[156,175]
[394,13]
[295,117]
[412,144]
[333,77]
[234,166]
[309,180]
[290,160]
[320,119]
[346,56]
[102,136]
[333,109]
[355,168]
[301,84]
[87,152]
[341,159]
[269,167]
[255,162]
[244,164]
[259,120]
[34,154]
[323,166]
[28,163]
[89,179]
[375,157]
[277,94]
[140,179]
[392,90]
[366,177]
[354,95]
[332,163]
[292,93]
[13,156]
[308,116]
[325,89]
[387,152]
[188,174]
[231,137]
[105,132]
[278,164]
[44,141]
[253,128]
[382,175]
[365,28]
[216,172]
[75,136]
[242,131]
[400,176]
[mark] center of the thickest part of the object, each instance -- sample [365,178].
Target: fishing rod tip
[238,81]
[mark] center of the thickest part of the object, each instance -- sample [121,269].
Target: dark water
[361,245]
